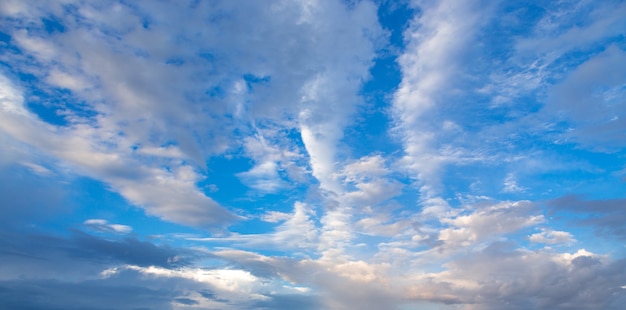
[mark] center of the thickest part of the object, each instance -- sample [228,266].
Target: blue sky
[312,154]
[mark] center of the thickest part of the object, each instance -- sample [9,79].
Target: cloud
[591,99]
[285,61]
[553,35]
[52,294]
[275,216]
[66,272]
[104,226]
[29,195]
[297,230]
[80,256]
[332,281]
[37,169]
[606,216]
[510,184]
[289,301]
[370,180]
[500,108]
[552,75]
[500,277]
[548,236]
[434,43]
[169,193]
[279,163]
[488,221]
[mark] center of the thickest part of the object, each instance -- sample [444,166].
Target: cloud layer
[312,154]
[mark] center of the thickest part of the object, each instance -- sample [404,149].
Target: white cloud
[37,169]
[263,177]
[511,186]
[11,99]
[275,216]
[229,286]
[164,90]
[501,278]
[168,193]
[149,101]
[105,226]
[367,182]
[372,193]
[549,236]
[471,227]
[65,80]
[566,64]
[365,168]
[435,43]
[278,163]
[553,35]
[296,230]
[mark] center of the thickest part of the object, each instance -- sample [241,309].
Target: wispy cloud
[104,226]
[312,154]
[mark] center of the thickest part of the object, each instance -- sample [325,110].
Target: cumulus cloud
[368,181]
[548,236]
[502,278]
[488,221]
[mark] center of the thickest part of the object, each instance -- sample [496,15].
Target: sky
[314,154]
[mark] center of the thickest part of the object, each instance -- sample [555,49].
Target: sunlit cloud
[312,154]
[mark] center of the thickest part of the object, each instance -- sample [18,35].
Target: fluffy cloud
[499,109]
[435,42]
[551,237]
[500,277]
[156,93]
[166,192]
[488,221]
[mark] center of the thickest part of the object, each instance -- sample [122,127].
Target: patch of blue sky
[385,76]
[51,105]
[52,24]
[5,39]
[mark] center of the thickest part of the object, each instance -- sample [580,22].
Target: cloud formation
[312,154]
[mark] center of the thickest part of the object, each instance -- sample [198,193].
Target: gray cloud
[139,96]
[158,97]
[92,295]
[593,99]
[27,196]
[56,272]
[503,277]
[80,255]
[129,251]
[606,216]
[290,302]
